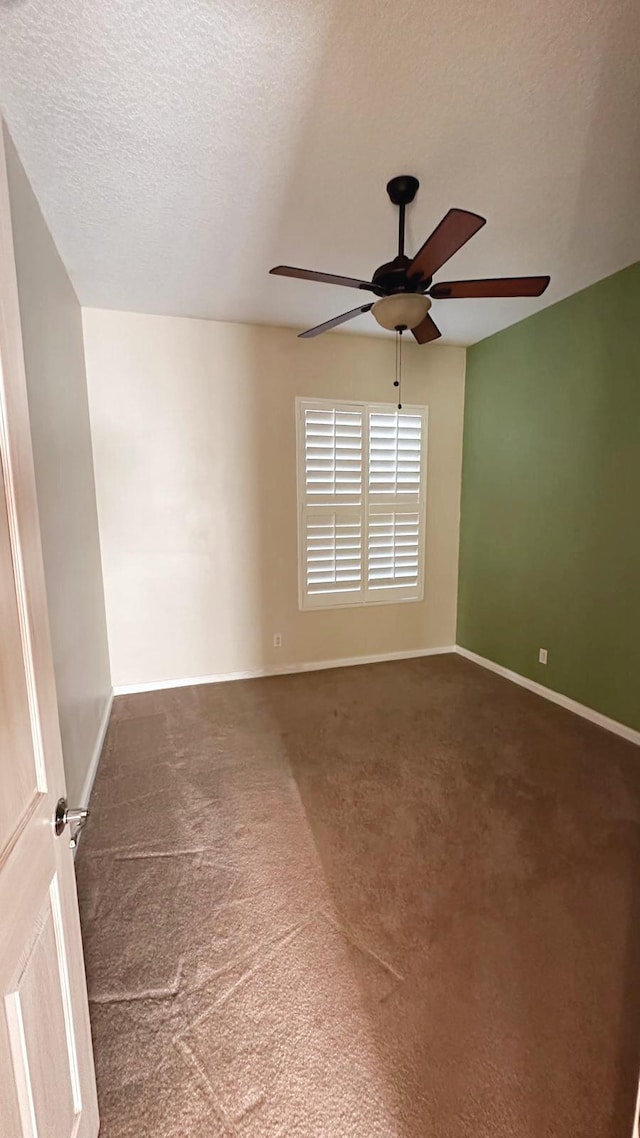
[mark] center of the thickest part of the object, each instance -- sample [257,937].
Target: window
[361,503]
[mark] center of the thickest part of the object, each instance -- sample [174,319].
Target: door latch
[75,818]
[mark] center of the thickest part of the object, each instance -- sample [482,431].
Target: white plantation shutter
[361,490]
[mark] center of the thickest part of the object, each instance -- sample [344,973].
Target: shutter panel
[393,549]
[333,548]
[395,504]
[331,540]
[333,454]
[395,450]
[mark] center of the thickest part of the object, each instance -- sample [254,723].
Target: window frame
[382,596]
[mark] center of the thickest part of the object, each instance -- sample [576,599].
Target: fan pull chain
[398,380]
[400,369]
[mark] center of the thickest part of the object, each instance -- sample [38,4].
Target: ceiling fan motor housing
[392,277]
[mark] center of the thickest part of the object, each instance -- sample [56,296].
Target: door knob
[69,816]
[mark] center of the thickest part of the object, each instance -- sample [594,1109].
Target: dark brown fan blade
[455,229]
[328,324]
[326,278]
[492,286]
[426,331]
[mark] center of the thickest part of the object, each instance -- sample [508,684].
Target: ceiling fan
[405,285]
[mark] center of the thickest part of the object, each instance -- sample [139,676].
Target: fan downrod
[392,277]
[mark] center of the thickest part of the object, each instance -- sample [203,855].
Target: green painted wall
[550,531]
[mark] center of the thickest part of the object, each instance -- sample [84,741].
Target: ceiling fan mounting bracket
[402,189]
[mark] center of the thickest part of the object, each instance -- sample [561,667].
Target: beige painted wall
[194,440]
[59,413]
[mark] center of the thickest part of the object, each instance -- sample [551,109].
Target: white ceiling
[179,148]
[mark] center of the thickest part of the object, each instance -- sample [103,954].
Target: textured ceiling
[179,148]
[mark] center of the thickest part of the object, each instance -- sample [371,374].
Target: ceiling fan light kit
[401,311]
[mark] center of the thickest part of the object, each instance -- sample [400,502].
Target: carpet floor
[400,900]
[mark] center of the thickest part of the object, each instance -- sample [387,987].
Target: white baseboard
[318,665]
[275,670]
[92,771]
[554,696]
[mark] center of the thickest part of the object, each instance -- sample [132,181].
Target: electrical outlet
[542,655]
[277,640]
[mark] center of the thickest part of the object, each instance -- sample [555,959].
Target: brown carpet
[400,900]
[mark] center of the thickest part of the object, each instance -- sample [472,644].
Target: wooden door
[47,1082]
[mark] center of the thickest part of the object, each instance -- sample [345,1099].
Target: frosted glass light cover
[405,309]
